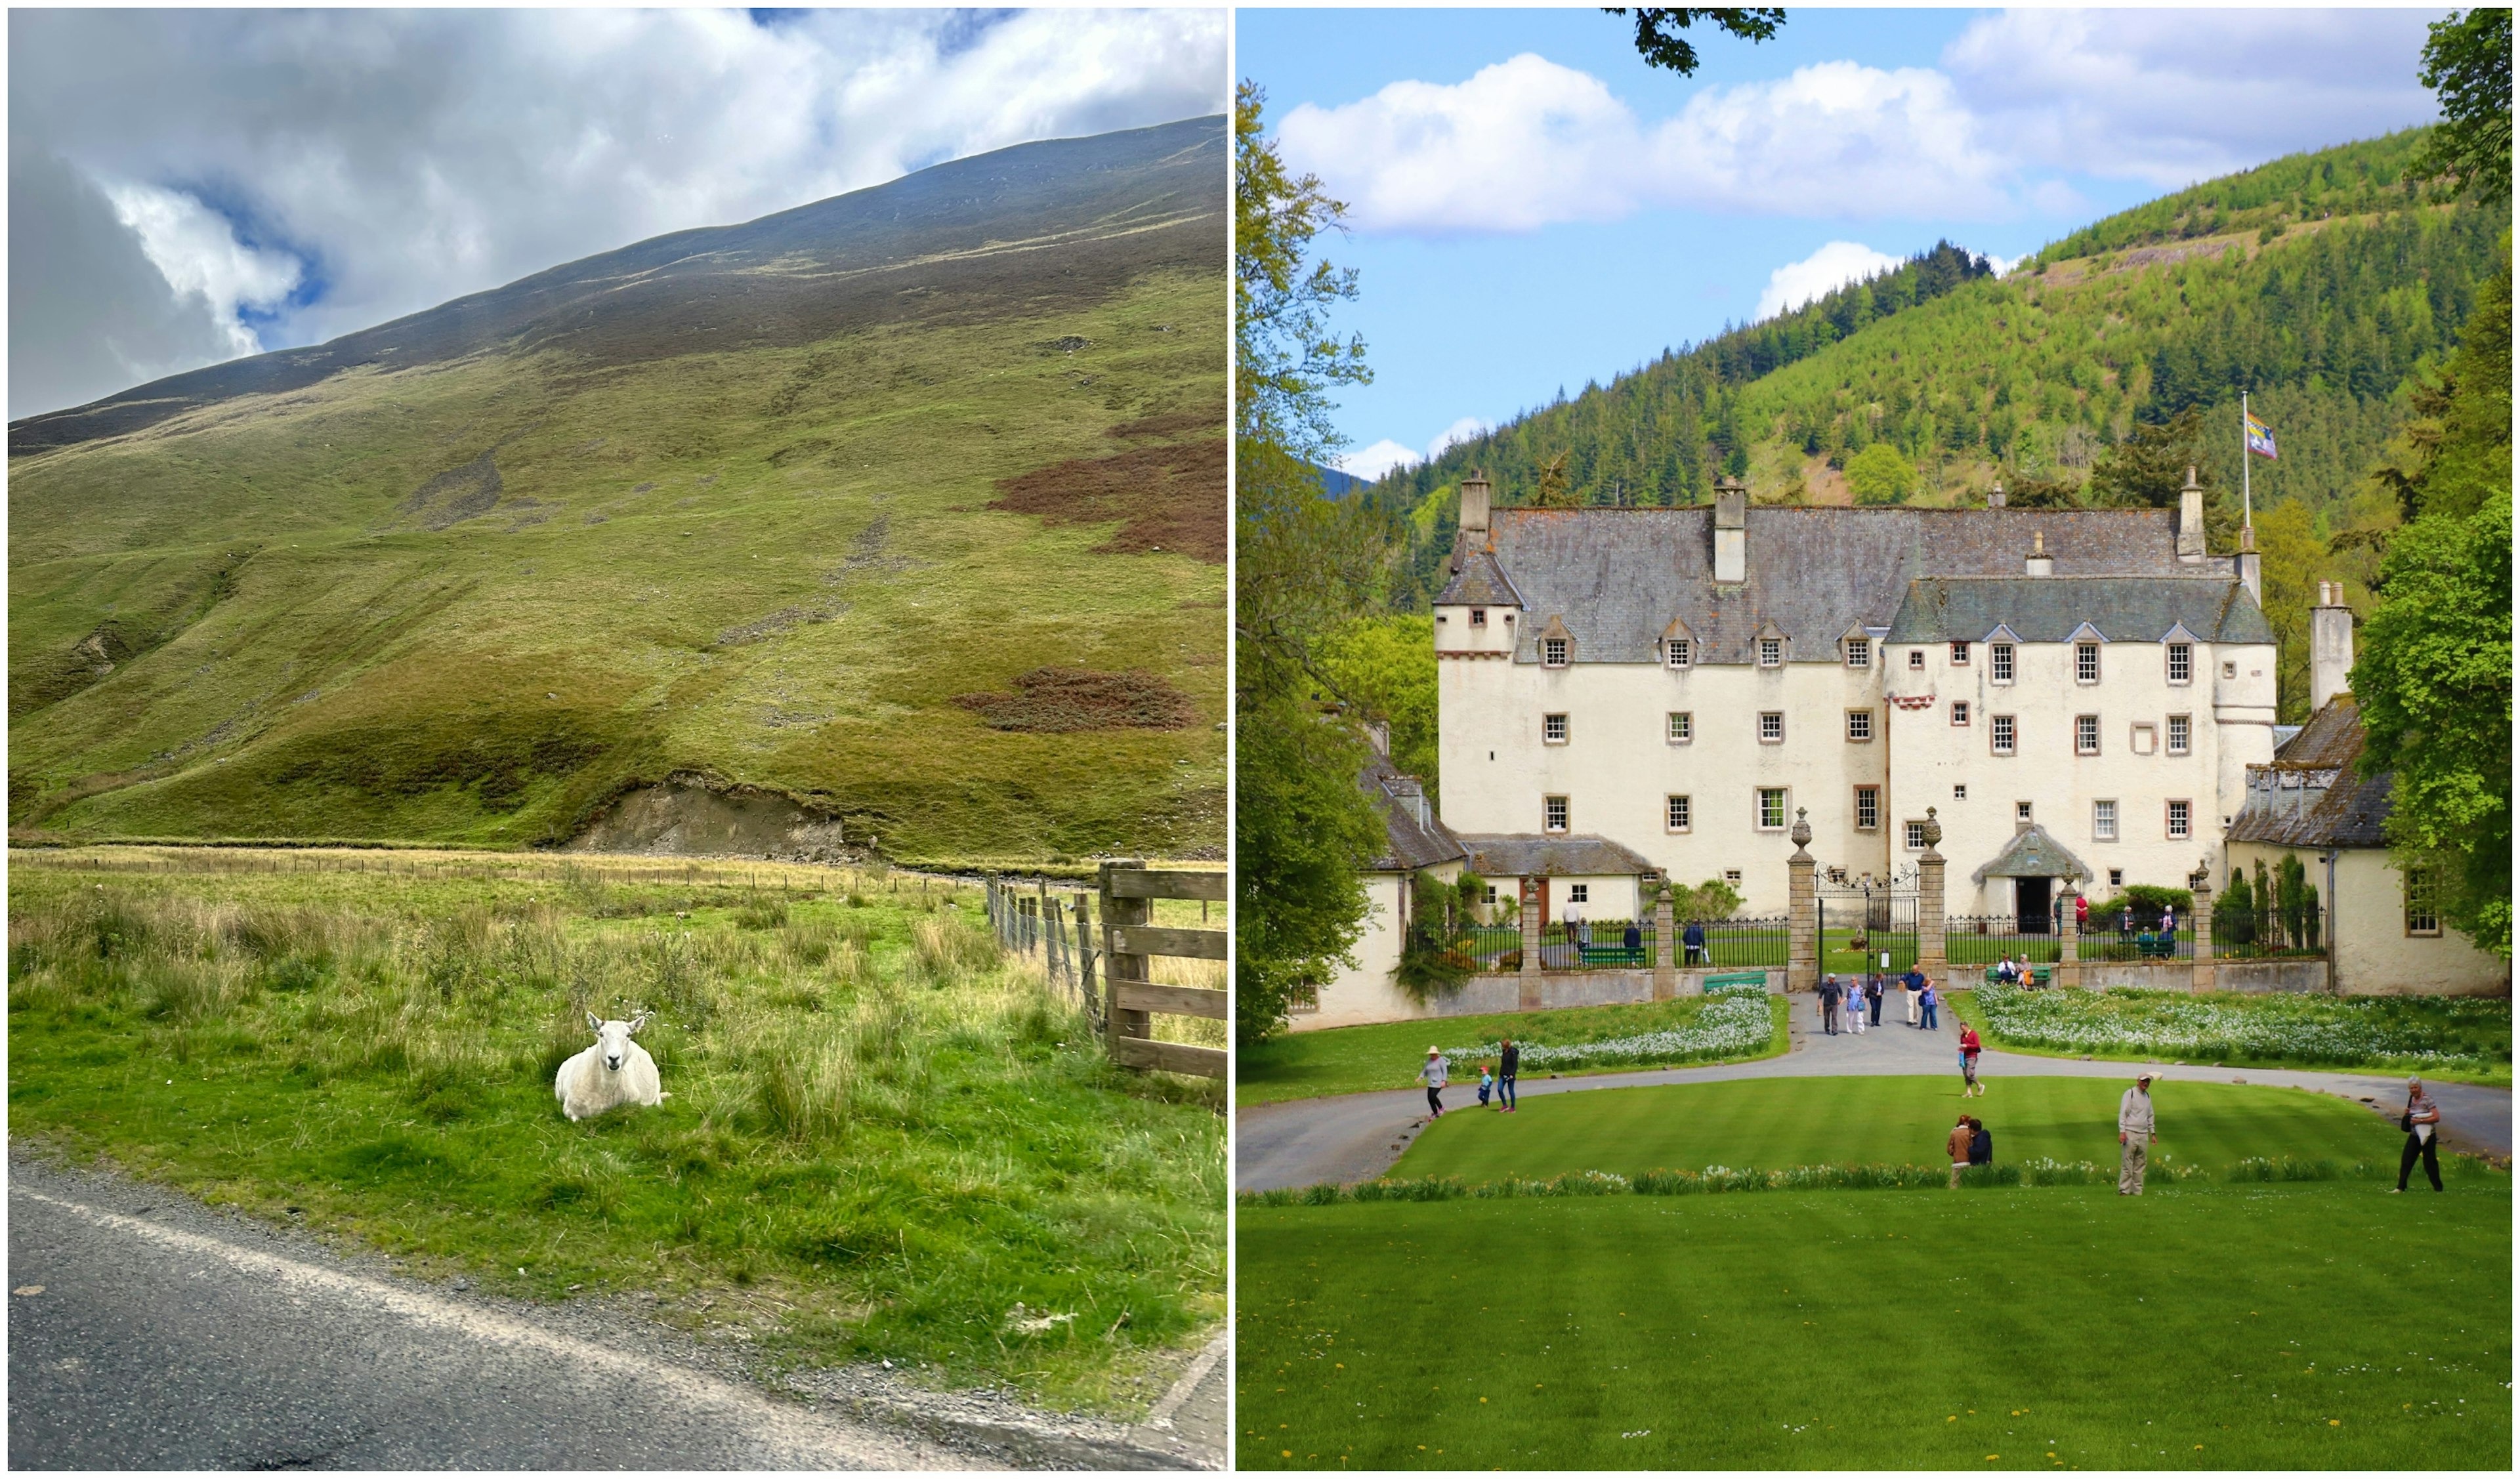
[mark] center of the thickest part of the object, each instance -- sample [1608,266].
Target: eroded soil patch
[1166,498]
[1051,700]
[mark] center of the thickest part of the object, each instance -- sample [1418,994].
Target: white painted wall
[1363,993]
[2374,955]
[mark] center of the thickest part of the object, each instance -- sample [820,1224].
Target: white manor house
[2060,687]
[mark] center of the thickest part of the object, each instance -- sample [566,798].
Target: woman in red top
[1968,1062]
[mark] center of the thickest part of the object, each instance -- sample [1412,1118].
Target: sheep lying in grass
[616,1071]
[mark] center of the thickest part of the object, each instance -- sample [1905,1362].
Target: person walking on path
[1434,1076]
[1879,987]
[1970,1045]
[1958,1144]
[2422,1124]
[1925,991]
[1915,986]
[1855,1006]
[1509,1063]
[1829,994]
[2135,1132]
[1487,1085]
[1694,937]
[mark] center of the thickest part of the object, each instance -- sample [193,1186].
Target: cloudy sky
[1532,206]
[188,186]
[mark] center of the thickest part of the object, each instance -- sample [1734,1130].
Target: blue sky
[1533,207]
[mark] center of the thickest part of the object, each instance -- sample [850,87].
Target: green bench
[2156,947]
[1613,955]
[1733,978]
[2032,975]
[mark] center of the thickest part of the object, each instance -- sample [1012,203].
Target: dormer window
[1678,652]
[2183,663]
[1859,651]
[1772,651]
[1999,661]
[1478,616]
[1552,652]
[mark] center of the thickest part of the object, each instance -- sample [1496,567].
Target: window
[2000,725]
[1677,653]
[2176,824]
[1579,894]
[1478,616]
[2104,820]
[1552,814]
[1960,713]
[1552,652]
[2086,734]
[1859,651]
[2231,670]
[1731,876]
[1915,836]
[1680,728]
[2183,663]
[2140,738]
[1868,807]
[2422,917]
[1960,654]
[1859,725]
[2020,810]
[1553,729]
[1771,728]
[1772,808]
[2087,662]
[2179,733]
[1959,792]
[1999,661]
[2117,878]
[1675,813]
[1772,651]
[1916,657]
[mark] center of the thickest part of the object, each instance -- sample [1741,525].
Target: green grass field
[2324,1325]
[1385,1056]
[1779,1122]
[884,1140]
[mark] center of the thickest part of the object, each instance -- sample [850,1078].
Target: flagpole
[2244,459]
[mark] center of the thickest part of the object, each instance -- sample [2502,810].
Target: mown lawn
[2324,1325]
[1387,1055]
[883,1139]
[2466,1039]
[1779,1122]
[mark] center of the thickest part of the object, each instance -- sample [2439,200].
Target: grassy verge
[884,1140]
[2198,1327]
[1386,1054]
[1816,1121]
[2472,1034]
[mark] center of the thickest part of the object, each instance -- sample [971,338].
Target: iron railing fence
[1733,943]
[2298,931]
[2143,936]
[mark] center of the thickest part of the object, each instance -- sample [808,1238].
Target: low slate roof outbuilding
[1524,855]
[2314,795]
[1413,837]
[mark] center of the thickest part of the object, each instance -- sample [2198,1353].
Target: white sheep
[616,1071]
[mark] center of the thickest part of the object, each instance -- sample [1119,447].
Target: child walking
[1487,1085]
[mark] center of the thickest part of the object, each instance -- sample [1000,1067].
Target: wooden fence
[1130,935]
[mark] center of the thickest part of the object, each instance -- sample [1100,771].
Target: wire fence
[1057,932]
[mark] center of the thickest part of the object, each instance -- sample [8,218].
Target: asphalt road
[1353,1137]
[149,1331]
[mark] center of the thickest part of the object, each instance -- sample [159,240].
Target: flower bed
[1732,1023]
[2466,1034]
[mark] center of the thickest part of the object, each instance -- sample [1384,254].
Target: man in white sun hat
[1434,1077]
[2135,1132]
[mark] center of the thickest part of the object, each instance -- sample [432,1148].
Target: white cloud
[405,157]
[1467,428]
[1387,455]
[197,251]
[1831,267]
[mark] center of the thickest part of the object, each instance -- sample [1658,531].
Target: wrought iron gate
[1863,917]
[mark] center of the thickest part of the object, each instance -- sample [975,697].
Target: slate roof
[2053,607]
[2033,854]
[1477,579]
[2312,795]
[1413,837]
[1525,855]
[1618,578]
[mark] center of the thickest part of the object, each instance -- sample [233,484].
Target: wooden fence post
[1119,913]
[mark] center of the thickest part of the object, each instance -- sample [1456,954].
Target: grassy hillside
[760,505]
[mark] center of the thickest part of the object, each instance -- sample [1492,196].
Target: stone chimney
[1731,531]
[2040,562]
[1378,735]
[2331,645]
[1474,504]
[2191,521]
[1995,495]
[2245,564]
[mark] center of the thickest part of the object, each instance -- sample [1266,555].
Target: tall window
[1675,651]
[2183,663]
[1999,661]
[1680,727]
[1552,652]
[1771,728]
[1553,729]
[1478,616]
[1868,807]
[1915,836]
[2423,918]
[2087,662]
[1859,651]
[1552,814]
[1772,808]
[1859,725]
[2176,824]
[1960,713]
[2177,733]
[1960,654]
[1675,813]
[2104,820]
[2086,734]
[2000,727]
[1772,651]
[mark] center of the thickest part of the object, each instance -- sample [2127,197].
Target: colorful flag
[2261,441]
